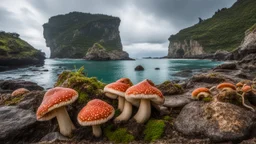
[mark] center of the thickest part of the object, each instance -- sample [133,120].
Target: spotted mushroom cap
[55,98]
[126,81]
[225,85]
[199,90]
[19,92]
[95,112]
[246,88]
[119,87]
[144,90]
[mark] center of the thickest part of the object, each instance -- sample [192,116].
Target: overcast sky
[145,24]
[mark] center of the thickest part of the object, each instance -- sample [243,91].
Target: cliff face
[16,52]
[224,31]
[71,35]
[185,49]
[247,49]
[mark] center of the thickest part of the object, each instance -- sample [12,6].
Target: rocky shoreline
[178,112]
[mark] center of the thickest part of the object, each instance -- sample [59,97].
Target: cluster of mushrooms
[227,91]
[96,111]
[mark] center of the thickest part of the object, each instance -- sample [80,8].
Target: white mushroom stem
[110,95]
[144,111]
[245,105]
[127,112]
[121,103]
[96,130]
[65,124]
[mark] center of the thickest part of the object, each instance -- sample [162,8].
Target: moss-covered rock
[119,135]
[154,130]
[170,88]
[87,87]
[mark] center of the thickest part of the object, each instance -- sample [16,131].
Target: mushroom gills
[96,130]
[110,95]
[65,124]
[202,95]
[144,111]
[127,112]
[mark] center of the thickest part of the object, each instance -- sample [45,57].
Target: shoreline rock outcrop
[15,52]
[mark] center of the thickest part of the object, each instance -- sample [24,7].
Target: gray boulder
[215,120]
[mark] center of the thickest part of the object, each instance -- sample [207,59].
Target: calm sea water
[109,71]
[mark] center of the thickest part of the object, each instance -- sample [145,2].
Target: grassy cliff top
[225,30]
[12,46]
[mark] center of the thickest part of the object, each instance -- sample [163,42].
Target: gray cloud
[145,24]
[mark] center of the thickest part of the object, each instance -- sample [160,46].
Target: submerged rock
[216,120]
[139,68]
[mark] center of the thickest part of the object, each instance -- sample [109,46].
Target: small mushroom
[245,90]
[239,86]
[19,92]
[146,92]
[117,89]
[226,87]
[96,112]
[201,93]
[53,105]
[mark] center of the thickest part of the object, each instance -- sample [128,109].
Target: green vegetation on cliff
[12,46]
[225,30]
[72,34]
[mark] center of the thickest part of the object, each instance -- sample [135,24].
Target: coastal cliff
[223,31]
[15,52]
[72,34]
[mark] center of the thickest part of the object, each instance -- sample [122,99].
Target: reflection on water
[109,71]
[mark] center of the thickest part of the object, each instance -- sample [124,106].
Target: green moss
[167,118]
[14,101]
[225,30]
[119,135]
[99,45]
[207,99]
[178,87]
[252,28]
[86,86]
[154,130]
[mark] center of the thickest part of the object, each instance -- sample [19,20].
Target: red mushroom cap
[95,112]
[125,80]
[144,90]
[119,87]
[19,92]
[198,90]
[55,98]
[224,85]
[246,88]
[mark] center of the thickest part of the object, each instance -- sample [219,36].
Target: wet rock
[215,120]
[54,137]
[139,68]
[31,100]
[17,125]
[176,101]
[229,66]
[15,84]
[220,55]
[184,73]
[170,88]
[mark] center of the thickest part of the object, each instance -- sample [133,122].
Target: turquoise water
[109,71]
